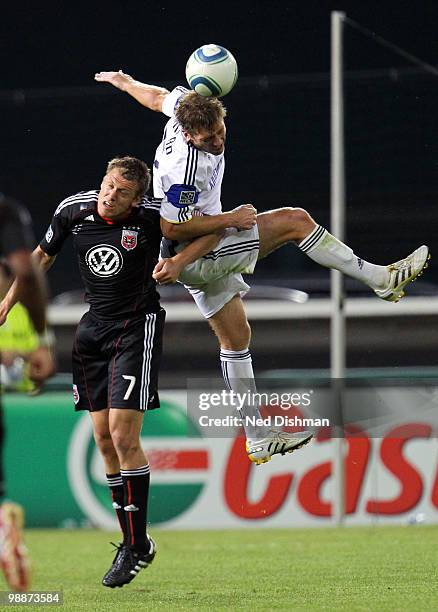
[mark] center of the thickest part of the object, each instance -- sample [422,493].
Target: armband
[182,196]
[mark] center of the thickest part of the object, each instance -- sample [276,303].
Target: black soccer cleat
[107,578]
[127,563]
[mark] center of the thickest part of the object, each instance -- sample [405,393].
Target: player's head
[202,121]
[126,181]
[132,169]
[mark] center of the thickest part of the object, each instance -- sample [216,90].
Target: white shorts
[214,279]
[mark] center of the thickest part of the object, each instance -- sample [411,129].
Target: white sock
[239,377]
[330,252]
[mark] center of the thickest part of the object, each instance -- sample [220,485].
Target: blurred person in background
[16,244]
[18,340]
[188,172]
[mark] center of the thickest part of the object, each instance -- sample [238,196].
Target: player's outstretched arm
[150,96]
[168,270]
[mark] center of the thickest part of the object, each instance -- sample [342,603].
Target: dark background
[59,127]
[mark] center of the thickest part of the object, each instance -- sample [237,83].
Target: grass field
[385,568]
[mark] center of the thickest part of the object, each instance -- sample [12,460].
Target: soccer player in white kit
[188,171]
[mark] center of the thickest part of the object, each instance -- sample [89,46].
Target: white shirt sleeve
[178,204]
[171,100]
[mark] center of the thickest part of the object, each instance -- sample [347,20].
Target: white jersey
[186,179]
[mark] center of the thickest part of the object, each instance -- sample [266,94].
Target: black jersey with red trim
[115,259]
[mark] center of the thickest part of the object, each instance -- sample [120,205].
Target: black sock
[136,488]
[115,484]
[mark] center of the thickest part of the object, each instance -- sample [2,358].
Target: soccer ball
[211,70]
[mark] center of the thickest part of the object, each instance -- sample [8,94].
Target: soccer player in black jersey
[117,347]
[16,248]
[118,343]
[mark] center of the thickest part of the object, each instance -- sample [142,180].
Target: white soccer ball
[211,70]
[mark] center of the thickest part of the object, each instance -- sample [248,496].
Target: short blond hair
[132,169]
[195,112]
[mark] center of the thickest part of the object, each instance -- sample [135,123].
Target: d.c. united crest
[129,239]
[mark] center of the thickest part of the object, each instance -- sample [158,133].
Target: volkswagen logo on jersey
[104,260]
[129,239]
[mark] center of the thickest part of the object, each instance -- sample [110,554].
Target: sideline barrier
[55,471]
[314,308]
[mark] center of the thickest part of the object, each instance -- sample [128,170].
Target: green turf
[372,569]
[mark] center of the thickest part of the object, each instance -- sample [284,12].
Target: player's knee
[125,445]
[299,221]
[237,341]
[104,442]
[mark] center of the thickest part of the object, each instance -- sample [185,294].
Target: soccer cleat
[107,578]
[277,443]
[403,272]
[127,563]
[13,553]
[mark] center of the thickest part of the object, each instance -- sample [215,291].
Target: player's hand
[244,217]
[41,364]
[166,271]
[118,79]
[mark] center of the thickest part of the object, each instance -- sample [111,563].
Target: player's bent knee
[124,445]
[299,216]
[298,221]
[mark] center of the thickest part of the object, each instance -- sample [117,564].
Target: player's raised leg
[277,227]
[232,329]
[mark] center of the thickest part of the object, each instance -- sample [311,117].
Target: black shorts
[115,363]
